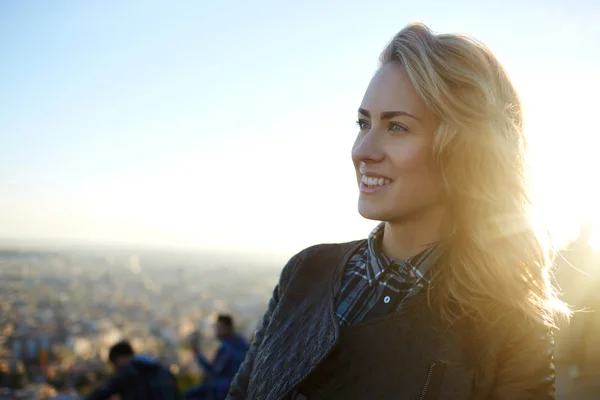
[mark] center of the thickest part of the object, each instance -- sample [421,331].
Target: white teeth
[375,181]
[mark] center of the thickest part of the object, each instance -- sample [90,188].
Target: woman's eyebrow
[388,114]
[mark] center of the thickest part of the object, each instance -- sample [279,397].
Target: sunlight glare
[594,240]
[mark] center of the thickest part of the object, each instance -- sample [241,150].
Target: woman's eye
[362,124]
[395,127]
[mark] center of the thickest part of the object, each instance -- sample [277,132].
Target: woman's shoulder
[504,326]
[328,249]
[317,256]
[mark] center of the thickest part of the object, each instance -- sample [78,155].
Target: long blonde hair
[494,259]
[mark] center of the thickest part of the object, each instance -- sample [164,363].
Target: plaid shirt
[373,285]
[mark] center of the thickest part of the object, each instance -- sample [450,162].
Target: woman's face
[392,154]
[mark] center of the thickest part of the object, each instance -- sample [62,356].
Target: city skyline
[228,126]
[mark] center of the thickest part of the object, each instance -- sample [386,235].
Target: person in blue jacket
[221,370]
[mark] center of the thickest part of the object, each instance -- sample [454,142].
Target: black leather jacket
[511,360]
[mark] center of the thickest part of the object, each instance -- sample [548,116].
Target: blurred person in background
[449,297]
[220,372]
[136,377]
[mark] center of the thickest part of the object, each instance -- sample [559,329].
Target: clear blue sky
[228,124]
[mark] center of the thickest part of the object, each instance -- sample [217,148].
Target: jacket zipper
[427,381]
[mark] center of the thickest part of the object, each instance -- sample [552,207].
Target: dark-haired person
[220,372]
[136,377]
[449,298]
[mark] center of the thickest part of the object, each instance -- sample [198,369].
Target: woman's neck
[402,240]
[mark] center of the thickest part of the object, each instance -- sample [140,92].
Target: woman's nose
[367,148]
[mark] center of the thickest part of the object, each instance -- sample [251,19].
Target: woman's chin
[371,211]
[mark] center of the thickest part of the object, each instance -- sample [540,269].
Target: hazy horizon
[104,249]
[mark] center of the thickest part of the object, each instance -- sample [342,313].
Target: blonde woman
[449,297]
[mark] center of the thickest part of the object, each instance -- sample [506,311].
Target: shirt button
[386,299]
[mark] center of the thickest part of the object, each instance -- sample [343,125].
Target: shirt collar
[377,262]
